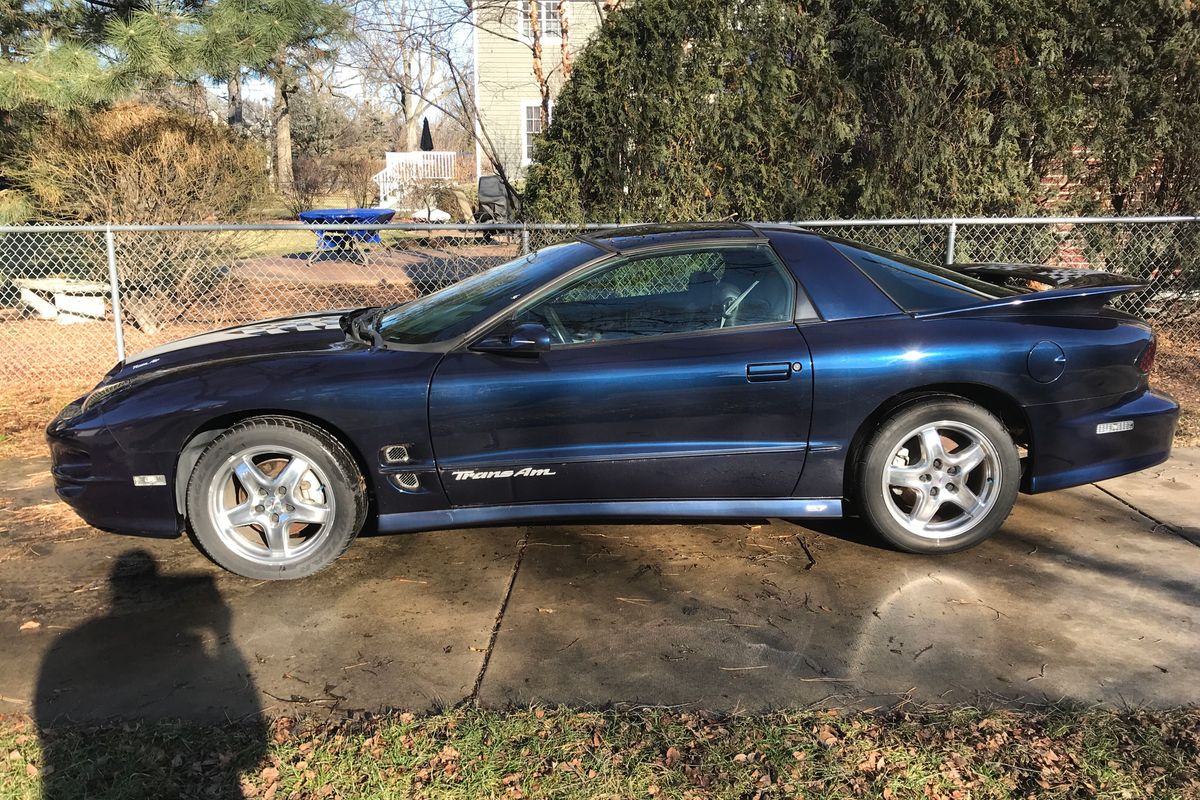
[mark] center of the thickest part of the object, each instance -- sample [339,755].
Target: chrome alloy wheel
[271,505]
[941,479]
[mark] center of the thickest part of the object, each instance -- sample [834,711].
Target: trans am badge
[524,472]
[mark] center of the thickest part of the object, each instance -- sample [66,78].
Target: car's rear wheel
[275,498]
[940,475]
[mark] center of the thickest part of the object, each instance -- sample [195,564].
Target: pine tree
[225,39]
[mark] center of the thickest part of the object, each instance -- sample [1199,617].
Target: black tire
[1003,475]
[323,451]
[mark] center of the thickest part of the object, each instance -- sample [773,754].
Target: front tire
[275,498]
[939,476]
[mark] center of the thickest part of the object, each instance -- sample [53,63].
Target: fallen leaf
[30,625]
[270,775]
[673,756]
[31,770]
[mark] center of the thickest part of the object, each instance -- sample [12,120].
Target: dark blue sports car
[692,371]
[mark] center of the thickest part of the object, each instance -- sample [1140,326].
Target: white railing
[402,170]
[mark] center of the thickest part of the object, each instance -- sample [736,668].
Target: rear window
[916,286]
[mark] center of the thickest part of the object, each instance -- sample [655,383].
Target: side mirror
[528,338]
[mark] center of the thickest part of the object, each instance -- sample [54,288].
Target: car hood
[304,333]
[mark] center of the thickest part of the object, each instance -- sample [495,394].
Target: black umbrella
[426,136]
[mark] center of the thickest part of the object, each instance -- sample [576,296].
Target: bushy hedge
[777,109]
[136,163]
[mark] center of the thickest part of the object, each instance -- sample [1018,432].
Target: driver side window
[682,291]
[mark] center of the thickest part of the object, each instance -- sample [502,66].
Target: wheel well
[1002,405]
[204,435]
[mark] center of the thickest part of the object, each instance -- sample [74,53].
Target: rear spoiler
[1057,289]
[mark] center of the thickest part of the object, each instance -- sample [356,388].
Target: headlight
[102,393]
[107,390]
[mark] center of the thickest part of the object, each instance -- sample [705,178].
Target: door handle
[776,371]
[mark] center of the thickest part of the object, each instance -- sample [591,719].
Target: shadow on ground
[112,666]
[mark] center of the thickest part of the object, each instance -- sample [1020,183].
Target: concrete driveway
[1090,595]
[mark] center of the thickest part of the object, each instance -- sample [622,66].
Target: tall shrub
[778,109]
[140,164]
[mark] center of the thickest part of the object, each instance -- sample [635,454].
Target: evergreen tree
[775,109]
[278,39]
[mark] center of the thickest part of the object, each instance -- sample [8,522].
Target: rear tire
[940,475]
[275,498]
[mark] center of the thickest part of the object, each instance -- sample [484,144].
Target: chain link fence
[74,298]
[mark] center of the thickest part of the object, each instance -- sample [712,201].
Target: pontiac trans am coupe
[659,372]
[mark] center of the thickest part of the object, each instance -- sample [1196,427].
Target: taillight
[1146,360]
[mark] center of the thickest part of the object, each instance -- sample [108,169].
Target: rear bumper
[94,476]
[1067,450]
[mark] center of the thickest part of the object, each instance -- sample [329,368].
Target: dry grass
[23,529]
[1177,371]
[26,407]
[1057,752]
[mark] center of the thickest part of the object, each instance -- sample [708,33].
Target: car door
[677,374]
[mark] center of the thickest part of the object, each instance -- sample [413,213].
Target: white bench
[65,300]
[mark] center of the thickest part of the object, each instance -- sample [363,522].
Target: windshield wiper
[359,324]
[370,326]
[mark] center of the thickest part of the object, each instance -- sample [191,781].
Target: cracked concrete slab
[1168,493]
[150,629]
[1077,598]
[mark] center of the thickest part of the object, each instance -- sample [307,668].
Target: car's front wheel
[940,475]
[275,498]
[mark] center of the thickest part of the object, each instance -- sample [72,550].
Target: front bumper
[1068,451]
[94,476]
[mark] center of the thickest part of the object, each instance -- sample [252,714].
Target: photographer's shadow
[162,651]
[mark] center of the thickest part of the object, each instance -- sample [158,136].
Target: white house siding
[504,64]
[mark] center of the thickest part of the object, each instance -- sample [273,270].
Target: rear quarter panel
[859,366]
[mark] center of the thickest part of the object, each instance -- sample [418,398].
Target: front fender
[368,399]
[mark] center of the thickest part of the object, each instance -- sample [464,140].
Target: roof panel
[631,237]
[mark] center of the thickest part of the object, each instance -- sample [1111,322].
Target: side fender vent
[397,454]
[406,481]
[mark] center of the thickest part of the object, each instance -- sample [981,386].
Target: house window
[551,22]
[531,127]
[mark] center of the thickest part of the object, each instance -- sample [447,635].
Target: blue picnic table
[351,239]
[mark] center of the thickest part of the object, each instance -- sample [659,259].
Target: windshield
[453,311]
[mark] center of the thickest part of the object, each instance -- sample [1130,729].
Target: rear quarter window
[914,286]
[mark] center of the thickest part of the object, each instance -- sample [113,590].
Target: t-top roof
[632,237]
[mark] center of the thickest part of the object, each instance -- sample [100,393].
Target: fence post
[115,290]
[951,235]
[524,238]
